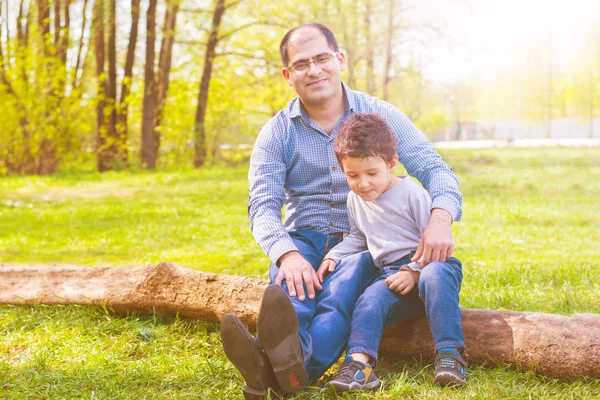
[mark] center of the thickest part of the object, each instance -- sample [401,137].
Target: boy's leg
[379,307]
[376,308]
[439,286]
[330,326]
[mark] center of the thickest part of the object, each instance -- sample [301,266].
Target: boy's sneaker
[450,369]
[354,375]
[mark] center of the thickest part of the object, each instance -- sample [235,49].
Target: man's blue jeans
[324,322]
[436,296]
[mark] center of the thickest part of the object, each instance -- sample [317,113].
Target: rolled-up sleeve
[421,160]
[267,183]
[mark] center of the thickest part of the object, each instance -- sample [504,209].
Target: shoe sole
[278,335]
[354,386]
[244,353]
[448,379]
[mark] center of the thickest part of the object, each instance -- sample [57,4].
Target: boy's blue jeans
[324,322]
[435,295]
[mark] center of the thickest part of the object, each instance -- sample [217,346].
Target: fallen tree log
[552,345]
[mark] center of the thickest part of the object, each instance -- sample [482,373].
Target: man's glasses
[302,67]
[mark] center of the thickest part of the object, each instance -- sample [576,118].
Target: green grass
[528,241]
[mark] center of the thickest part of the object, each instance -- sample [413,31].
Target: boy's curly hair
[366,135]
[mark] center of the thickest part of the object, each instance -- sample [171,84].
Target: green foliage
[48,117]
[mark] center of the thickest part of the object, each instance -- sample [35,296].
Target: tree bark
[102,154]
[113,143]
[369,50]
[553,345]
[149,153]
[389,48]
[164,64]
[123,107]
[209,55]
[76,80]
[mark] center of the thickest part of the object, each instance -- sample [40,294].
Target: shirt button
[333,191]
[330,224]
[334,168]
[331,205]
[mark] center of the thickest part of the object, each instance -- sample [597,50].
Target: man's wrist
[440,216]
[287,255]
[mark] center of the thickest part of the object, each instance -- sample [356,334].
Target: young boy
[388,215]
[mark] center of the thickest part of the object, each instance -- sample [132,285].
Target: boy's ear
[394,163]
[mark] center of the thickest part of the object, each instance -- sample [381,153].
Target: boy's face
[369,177]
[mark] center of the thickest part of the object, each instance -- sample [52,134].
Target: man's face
[320,82]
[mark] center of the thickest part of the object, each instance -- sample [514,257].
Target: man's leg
[310,244]
[245,352]
[248,357]
[330,326]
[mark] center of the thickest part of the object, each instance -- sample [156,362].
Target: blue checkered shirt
[293,163]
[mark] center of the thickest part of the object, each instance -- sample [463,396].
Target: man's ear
[342,57]
[286,75]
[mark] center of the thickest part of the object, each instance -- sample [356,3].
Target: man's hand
[295,269]
[327,267]
[437,243]
[402,282]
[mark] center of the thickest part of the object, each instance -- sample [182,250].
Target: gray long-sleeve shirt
[390,227]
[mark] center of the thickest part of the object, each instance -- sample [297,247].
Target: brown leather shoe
[246,354]
[278,335]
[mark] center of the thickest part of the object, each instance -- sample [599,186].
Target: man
[303,325]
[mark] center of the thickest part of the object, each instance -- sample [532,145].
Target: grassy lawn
[528,241]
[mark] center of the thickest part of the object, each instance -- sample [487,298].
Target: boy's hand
[296,271]
[327,267]
[402,282]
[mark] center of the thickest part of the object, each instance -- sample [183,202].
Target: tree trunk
[123,107]
[164,62]
[25,162]
[553,345]
[102,154]
[389,48]
[369,50]
[112,143]
[66,33]
[75,79]
[149,153]
[199,127]
[52,93]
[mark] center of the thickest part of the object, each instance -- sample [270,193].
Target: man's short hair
[366,135]
[283,47]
